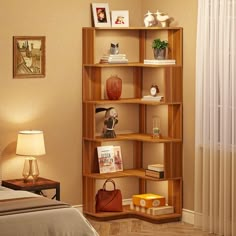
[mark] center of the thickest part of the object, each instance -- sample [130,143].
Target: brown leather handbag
[108,200]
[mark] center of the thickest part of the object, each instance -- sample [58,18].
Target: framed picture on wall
[101,15]
[28,56]
[120,18]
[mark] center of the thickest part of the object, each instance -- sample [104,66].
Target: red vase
[114,87]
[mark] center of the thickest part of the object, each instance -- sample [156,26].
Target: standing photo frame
[101,15]
[120,18]
[29,56]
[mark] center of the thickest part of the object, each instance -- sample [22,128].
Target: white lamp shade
[30,143]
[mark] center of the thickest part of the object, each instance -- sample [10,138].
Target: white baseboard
[188,216]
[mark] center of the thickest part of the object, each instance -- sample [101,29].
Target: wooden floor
[135,227]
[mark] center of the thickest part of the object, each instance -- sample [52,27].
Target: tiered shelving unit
[93,90]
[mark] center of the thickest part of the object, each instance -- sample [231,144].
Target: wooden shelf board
[128,173]
[134,28]
[135,137]
[130,101]
[128,213]
[130,64]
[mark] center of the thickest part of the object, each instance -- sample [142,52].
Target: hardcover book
[114,58]
[154,174]
[159,62]
[156,167]
[106,159]
[155,211]
[152,98]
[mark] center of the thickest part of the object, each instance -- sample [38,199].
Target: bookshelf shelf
[127,213]
[129,64]
[136,137]
[140,173]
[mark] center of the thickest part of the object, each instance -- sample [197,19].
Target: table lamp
[30,143]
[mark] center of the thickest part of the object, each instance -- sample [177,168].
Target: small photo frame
[120,18]
[28,56]
[101,15]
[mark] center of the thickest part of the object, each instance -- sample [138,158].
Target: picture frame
[120,18]
[29,56]
[101,15]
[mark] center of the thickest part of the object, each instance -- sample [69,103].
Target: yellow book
[148,200]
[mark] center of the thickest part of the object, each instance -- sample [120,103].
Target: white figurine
[149,19]
[114,48]
[163,18]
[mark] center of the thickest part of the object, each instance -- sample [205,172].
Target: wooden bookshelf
[93,90]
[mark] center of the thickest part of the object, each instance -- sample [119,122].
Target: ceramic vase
[114,87]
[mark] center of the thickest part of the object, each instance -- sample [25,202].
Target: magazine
[106,159]
[109,159]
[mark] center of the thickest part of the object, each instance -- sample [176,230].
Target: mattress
[37,220]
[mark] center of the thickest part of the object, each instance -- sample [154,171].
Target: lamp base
[30,170]
[30,180]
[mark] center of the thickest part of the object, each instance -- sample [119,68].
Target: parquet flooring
[136,227]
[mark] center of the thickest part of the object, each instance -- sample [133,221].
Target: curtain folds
[215,127]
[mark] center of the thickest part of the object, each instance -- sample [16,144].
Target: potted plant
[159,48]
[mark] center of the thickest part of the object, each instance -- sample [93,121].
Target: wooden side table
[37,187]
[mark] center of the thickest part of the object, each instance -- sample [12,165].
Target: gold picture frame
[29,56]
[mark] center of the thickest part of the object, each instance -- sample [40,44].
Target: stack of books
[152,98]
[151,204]
[114,58]
[159,62]
[155,171]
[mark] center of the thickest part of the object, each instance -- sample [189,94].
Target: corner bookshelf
[138,48]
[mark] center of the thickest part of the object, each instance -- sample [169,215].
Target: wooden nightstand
[37,187]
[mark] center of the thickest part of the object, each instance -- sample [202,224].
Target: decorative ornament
[110,120]
[163,18]
[114,49]
[154,90]
[152,19]
[149,19]
[156,123]
[114,87]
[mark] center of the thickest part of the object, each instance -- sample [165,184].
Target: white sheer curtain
[215,164]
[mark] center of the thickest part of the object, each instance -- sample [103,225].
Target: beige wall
[185,15]
[53,104]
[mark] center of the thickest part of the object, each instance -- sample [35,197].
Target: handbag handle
[109,180]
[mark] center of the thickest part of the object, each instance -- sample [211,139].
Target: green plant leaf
[158,43]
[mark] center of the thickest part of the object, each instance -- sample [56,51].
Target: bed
[24,213]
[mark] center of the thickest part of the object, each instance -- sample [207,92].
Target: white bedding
[56,222]
[7,195]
